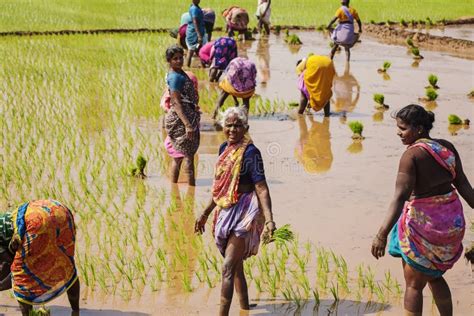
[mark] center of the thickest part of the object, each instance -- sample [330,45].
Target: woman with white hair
[243,205]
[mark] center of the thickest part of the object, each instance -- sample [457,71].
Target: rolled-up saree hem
[242,219]
[227,87]
[428,235]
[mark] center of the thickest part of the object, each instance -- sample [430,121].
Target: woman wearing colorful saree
[217,55]
[243,206]
[37,242]
[239,81]
[344,35]
[182,119]
[315,83]
[425,216]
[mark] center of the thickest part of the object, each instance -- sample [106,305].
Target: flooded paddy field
[136,251]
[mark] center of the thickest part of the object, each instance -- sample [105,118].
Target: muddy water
[465,32]
[333,191]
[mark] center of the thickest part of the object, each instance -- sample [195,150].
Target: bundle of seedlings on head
[380,101]
[433,81]
[431,94]
[386,65]
[280,236]
[357,128]
[416,53]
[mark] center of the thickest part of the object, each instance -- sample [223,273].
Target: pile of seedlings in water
[138,170]
[380,102]
[415,51]
[433,82]
[386,65]
[453,119]
[357,128]
[292,39]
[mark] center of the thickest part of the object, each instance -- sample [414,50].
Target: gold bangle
[269,222]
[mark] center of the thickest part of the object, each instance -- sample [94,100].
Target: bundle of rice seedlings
[277,29]
[416,53]
[454,119]
[409,42]
[139,169]
[42,311]
[280,235]
[386,65]
[357,128]
[380,101]
[431,94]
[433,81]
[292,39]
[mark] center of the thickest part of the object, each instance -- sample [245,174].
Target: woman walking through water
[182,119]
[244,207]
[425,216]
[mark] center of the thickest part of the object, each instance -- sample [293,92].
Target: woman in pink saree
[425,217]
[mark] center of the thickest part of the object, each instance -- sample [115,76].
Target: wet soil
[332,190]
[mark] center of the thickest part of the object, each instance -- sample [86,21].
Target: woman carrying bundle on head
[239,81]
[243,206]
[218,55]
[344,35]
[425,218]
[37,246]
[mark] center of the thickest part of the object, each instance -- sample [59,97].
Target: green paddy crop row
[43,15]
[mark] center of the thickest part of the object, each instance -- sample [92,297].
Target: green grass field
[42,15]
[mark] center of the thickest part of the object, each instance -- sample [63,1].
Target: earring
[419,132]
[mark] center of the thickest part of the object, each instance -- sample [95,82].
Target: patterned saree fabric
[429,233]
[43,267]
[240,78]
[227,173]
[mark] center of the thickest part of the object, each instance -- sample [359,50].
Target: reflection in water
[454,129]
[386,76]
[243,47]
[415,64]
[431,105]
[263,57]
[356,147]
[344,88]
[378,116]
[210,142]
[314,147]
[179,238]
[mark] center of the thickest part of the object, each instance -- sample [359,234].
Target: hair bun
[431,116]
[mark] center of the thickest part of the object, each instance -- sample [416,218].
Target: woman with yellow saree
[243,206]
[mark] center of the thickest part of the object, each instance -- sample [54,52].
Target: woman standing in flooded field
[244,209]
[182,119]
[196,31]
[425,216]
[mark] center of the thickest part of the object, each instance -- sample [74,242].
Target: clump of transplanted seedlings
[410,43]
[403,23]
[415,51]
[433,81]
[277,29]
[321,28]
[453,119]
[292,39]
[380,101]
[357,128]
[139,169]
[431,94]
[386,65]
[42,311]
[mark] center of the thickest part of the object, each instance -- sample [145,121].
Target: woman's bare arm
[263,195]
[196,27]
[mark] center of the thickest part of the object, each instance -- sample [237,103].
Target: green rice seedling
[379,100]
[317,298]
[292,39]
[293,104]
[378,289]
[429,22]
[372,21]
[321,27]
[433,81]
[139,169]
[277,29]
[356,127]
[258,284]
[386,65]
[415,51]
[42,311]
[454,119]
[431,94]
[334,291]
[403,23]
[186,282]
